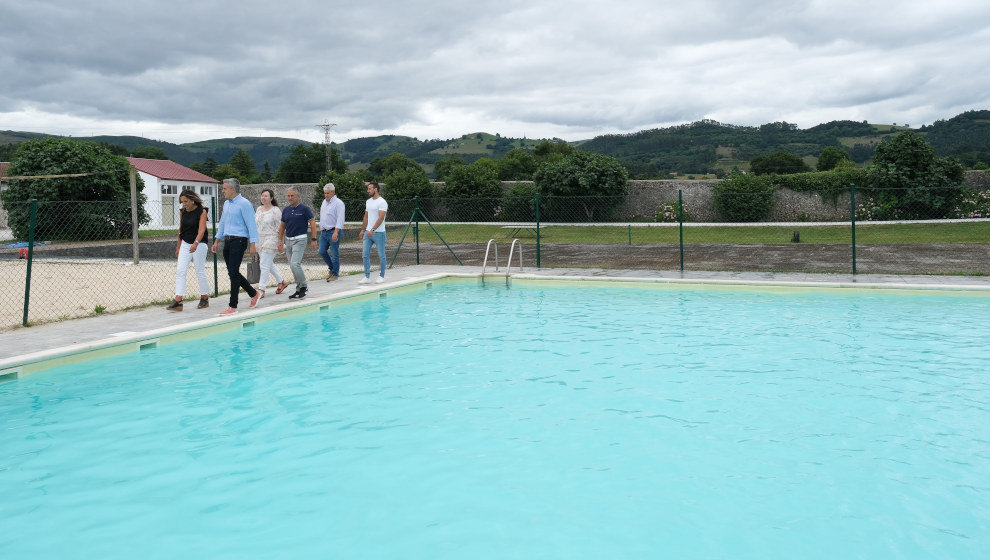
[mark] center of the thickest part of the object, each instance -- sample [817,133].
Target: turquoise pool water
[531,422]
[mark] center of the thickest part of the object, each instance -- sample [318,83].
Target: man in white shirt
[373,231]
[331,224]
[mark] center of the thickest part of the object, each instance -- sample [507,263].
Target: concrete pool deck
[52,340]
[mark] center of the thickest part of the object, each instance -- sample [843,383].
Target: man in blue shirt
[239,233]
[292,234]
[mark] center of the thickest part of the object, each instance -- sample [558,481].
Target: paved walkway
[80,333]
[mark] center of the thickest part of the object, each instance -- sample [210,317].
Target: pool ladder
[508,264]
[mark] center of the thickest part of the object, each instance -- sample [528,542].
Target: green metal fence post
[852,217]
[30,257]
[630,234]
[216,274]
[680,224]
[536,199]
[416,226]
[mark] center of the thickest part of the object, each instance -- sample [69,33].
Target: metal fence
[81,259]
[84,260]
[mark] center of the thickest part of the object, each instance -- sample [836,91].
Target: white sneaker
[379,280]
[364,280]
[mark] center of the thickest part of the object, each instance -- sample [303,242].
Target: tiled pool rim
[125,342]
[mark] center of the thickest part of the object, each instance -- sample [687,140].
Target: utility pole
[326,126]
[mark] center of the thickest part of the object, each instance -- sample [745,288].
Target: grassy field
[969,232]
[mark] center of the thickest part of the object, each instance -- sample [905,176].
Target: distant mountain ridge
[701,147]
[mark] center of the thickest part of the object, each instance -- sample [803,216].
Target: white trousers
[199,266]
[268,268]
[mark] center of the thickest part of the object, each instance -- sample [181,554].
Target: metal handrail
[508,265]
[484,263]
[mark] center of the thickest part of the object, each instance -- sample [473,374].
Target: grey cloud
[539,65]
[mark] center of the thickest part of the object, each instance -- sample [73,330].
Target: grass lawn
[969,232]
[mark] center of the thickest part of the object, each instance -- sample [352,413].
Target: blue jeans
[332,259]
[378,239]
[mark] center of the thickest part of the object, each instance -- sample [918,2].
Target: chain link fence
[84,260]
[939,231]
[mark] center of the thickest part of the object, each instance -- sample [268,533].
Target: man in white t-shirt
[373,231]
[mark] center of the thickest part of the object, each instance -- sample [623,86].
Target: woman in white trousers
[191,248]
[268,216]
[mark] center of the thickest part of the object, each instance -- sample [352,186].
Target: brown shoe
[254,300]
[281,287]
[331,277]
[203,303]
[229,311]
[262,294]
[174,306]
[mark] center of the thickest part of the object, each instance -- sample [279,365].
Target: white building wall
[163,198]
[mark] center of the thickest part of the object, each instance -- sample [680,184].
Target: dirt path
[62,288]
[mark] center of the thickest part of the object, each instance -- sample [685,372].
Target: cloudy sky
[183,71]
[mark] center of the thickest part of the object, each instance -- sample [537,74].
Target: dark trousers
[233,254]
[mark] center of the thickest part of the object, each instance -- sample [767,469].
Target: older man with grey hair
[239,232]
[292,234]
[331,224]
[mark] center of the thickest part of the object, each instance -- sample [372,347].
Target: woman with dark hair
[191,247]
[268,217]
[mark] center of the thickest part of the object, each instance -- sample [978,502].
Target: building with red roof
[164,180]
[4,165]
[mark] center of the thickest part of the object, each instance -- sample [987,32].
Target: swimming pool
[543,420]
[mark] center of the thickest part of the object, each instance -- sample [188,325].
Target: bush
[909,179]
[670,212]
[518,204]
[478,181]
[595,185]
[973,204]
[744,198]
[829,184]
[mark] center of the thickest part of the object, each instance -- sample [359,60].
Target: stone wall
[645,197]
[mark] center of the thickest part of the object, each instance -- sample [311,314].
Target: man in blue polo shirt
[292,234]
[239,232]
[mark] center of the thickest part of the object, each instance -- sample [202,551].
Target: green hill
[702,147]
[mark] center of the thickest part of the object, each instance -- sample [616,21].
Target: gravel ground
[62,288]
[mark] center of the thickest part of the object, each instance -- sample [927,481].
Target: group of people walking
[266,231]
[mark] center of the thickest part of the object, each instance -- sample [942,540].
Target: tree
[242,162]
[517,165]
[780,162]
[349,187]
[306,164]
[228,171]
[594,183]
[479,184]
[407,183]
[266,173]
[830,157]
[7,151]
[149,152]
[546,150]
[382,167]
[446,164]
[208,167]
[909,181]
[95,206]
